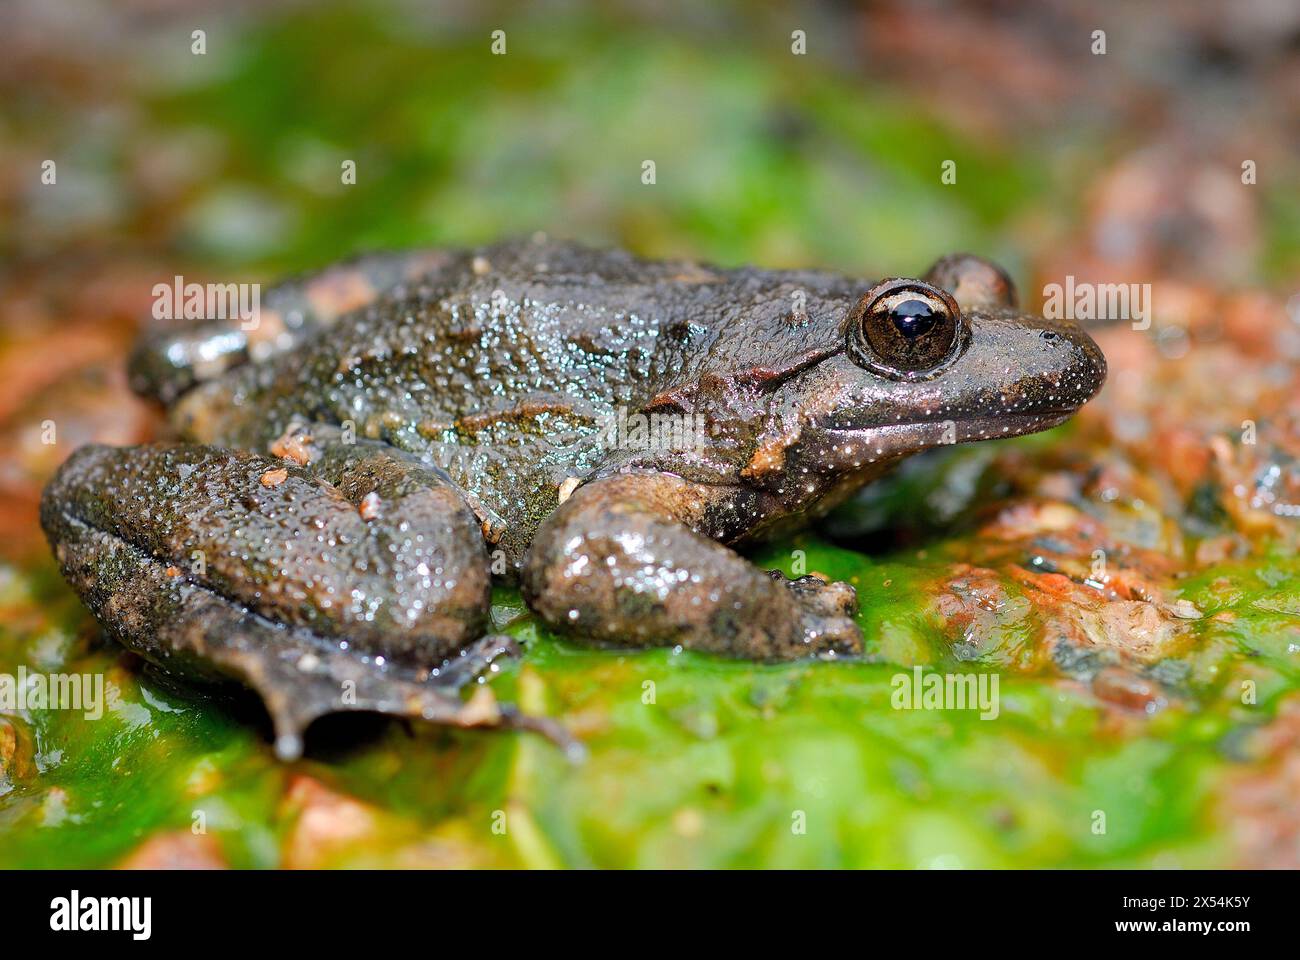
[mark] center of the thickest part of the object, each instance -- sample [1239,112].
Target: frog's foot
[621,562]
[476,660]
[828,608]
[352,583]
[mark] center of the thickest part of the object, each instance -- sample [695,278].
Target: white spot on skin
[568,486]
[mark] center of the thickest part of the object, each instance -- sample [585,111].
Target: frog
[352,473]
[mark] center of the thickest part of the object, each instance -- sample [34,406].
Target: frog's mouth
[851,448]
[973,428]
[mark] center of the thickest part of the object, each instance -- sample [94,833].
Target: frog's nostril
[1086,372]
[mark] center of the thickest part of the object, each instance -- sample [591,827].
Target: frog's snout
[1081,364]
[1020,374]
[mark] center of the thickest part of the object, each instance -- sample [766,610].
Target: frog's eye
[905,328]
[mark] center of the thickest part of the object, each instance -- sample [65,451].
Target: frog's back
[501,365]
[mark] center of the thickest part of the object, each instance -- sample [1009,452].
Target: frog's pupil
[913,318]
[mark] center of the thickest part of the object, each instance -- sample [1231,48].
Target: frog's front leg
[345,584]
[623,561]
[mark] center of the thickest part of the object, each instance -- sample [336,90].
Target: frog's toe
[827,609]
[479,659]
[828,597]
[838,636]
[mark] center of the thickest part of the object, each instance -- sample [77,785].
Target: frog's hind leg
[355,582]
[624,561]
[169,362]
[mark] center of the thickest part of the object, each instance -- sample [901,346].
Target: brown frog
[393,432]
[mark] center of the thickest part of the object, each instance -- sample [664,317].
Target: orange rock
[17,760]
[176,850]
[294,444]
[1127,689]
[1257,805]
[326,823]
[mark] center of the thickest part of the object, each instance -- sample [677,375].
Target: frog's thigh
[618,563]
[170,362]
[363,546]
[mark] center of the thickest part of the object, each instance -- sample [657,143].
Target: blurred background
[1127,165]
[1122,166]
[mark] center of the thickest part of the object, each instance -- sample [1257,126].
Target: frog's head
[914,364]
